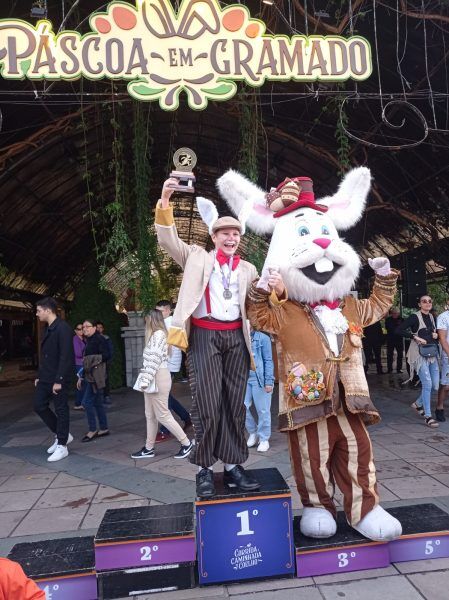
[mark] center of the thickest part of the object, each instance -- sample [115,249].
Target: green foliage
[344,147]
[249,125]
[91,302]
[334,107]
[439,295]
[146,254]
[118,245]
[256,250]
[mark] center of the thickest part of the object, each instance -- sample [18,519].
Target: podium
[346,551]
[244,536]
[425,533]
[145,549]
[63,568]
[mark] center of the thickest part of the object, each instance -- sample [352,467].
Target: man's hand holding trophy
[182,178]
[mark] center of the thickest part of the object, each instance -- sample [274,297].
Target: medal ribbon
[226,281]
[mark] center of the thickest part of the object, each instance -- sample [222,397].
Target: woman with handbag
[422,355]
[154,381]
[93,373]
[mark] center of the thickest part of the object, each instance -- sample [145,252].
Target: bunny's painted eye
[325,230]
[303,230]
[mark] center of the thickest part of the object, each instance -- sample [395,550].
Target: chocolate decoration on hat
[292,193]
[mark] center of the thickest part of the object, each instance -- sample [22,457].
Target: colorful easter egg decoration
[233,19]
[124,18]
[102,25]
[252,30]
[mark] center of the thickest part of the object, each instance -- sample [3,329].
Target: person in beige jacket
[209,322]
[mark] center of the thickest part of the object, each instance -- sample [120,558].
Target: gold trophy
[184,160]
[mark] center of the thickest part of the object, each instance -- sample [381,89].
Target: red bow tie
[332,305]
[224,260]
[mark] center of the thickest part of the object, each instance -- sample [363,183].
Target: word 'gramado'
[200,50]
[296,58]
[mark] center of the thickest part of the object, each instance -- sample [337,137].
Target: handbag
[143,384]
[428,350]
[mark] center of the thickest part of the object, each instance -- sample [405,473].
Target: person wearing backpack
[423,355]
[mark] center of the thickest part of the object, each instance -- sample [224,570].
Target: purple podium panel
[246,536]
[70,588]
[425,533]
[419,547]
[159,551]
[143,536]
[342,560]
[64,568]
[346,551]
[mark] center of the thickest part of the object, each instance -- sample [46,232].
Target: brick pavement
[41,500]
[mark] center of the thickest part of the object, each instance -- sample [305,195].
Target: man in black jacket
[54,376]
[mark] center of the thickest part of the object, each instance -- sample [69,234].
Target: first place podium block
[244,536]
[145,549]
[346,551]
[425,533]
[63,568]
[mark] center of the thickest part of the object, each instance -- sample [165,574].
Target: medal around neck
[184,160]
[227,294]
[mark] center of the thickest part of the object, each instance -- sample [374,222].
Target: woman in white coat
[154,381]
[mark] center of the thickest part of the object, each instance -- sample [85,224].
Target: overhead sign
[201,50]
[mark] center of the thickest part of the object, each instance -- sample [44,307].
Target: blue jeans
[262,403]
[429,375]
[93,406]
[176,407]
[79,393]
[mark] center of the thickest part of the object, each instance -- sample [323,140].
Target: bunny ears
[209,214]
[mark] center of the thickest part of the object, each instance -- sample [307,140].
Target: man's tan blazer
[197,265]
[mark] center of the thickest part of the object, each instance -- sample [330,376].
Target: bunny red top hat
[291,194]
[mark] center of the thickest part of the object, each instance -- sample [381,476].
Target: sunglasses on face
[79,329]
[426,301]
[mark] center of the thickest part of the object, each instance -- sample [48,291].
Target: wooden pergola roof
[46,240]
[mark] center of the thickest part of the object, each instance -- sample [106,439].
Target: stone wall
[134,338]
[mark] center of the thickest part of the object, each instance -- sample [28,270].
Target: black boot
[205,483]
[237,477]
[439,415]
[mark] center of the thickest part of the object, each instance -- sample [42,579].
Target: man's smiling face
[227,240]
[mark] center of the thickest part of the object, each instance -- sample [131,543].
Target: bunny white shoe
[317,523]
[378,525]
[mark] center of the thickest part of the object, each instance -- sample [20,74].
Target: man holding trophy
[209,322]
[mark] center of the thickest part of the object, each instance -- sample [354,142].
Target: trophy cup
[184,160]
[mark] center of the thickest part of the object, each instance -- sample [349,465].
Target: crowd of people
[90,350]
[230,368]
[424,338]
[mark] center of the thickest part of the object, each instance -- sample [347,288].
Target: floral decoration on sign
[305,386]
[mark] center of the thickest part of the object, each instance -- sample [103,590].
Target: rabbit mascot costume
[303,298]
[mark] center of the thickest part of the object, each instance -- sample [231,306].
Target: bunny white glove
[266,272]
[380,265]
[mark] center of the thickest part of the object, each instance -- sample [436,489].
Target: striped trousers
[218,363]
[335,450]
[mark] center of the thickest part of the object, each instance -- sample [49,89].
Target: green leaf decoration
[220,90]
[25,66]
[145,90]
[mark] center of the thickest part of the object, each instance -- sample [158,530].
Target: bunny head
[315,263]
